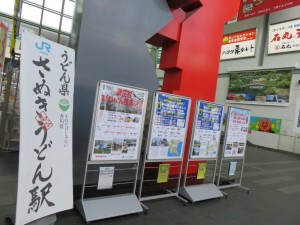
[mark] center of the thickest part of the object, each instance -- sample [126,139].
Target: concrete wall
[287,140]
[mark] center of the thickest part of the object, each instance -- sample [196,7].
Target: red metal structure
[191,48]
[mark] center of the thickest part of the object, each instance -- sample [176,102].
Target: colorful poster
[106,178]
[239,45]
[201,171]
[284,37]
[237,131]
[163,173]
[297,117]
[118,128]
[207,130]
[268,125]
[45,182]
[253,8]
[232,168]
[260,87]
[3,37]
[169,126]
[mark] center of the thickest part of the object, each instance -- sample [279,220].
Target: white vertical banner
[45,182]
[297,117]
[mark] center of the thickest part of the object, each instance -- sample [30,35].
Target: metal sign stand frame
[222,158]
[116,205]
[173,192]
[200,192]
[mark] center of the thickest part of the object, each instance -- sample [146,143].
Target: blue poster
[169,126]
[207,130]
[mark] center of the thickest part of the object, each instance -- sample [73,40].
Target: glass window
[66,25]
[51,20]
[55,5]
[7,6]
[69,7]
[31,13]
[38,2]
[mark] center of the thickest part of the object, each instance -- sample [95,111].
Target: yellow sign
[14,28]
[163,173]
[201,171]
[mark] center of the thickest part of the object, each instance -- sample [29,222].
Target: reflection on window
[51,19]
[7,6]
[55,5]
[31,13]
[66,25]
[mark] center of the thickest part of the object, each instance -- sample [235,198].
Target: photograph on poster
[118,125]
[103,146]
[260,87]
[168,126]
[237,131]
[207,130]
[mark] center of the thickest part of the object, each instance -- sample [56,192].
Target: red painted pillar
[191,48]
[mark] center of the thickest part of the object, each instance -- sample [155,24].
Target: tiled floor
[273,178]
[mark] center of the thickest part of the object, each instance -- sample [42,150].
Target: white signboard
[45,164]
[297,117]
[239,45]
[284,37]
[119,121]
[207,130]
[106,178]
[169,126]
[237,131]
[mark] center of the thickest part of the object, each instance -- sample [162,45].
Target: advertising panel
[207,130]
[239,45]
[260,87]
[284,37]
[45,160]
[169,126]
[253,8]
[268,125]
[118,127]
[237,130]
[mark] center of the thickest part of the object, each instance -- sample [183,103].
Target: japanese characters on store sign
[284,37]
[253,8]
[239,45]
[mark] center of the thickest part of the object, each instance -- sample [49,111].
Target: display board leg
[245,188]
[47,220]
[146,208]
[225,194]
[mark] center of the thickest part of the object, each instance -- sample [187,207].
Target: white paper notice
[106,178]
[232,168]
[297,117]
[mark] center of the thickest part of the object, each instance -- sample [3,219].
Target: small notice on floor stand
[232,168]
[106,177]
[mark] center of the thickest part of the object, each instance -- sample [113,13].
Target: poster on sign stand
[203,152]
[234,148]
[45,160]
[165,146]
[113,152]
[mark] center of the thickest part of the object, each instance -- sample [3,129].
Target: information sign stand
[112,163]
[201,165]
[163,158]
[232,157]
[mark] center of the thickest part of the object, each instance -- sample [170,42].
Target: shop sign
[239,45]
[284,37]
